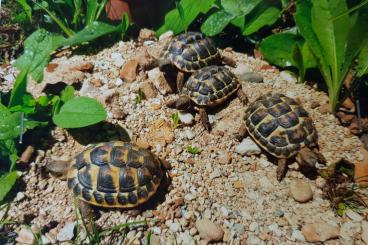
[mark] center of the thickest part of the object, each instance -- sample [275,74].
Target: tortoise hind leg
[281,169]
[241,133]
[180,81]
[242,96]
[204,119]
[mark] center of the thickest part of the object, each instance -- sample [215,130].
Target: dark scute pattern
[126,180]
[150,187]
[116,156]
[308,124]
[271,147]
[104,180]
[99,156]
[290,101]
[98,197]
[77,190]
[86,194]
[133,159]
[205,90]
[289,120]
[266,128]
[279,109]
[189,55]
[296,136]
[258,116]
[218,84]
[84,177]
[80,162]
[195,66]
[122,199]
[201,50]
[142,193]
[285,151]
[132,197]
[278,141]
[109,199]
[144,176]
[301,112]
[72,182]
[192,85]
[271,102]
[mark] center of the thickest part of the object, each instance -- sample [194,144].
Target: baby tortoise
[114,174]
[282,127]
[208,87]
[187,53]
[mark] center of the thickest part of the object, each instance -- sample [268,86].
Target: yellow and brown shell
[280,125]
[115,174]
[191,51]
[211,86]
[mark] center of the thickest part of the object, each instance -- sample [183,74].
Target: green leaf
[216,23]
[6,182]
[363,61]
[19,89]
[27,9]
[239,22]
[92,31]
[298,60]
[193,150]
[242,7]
[67,94]
[192,8]
[91,11]
[9,124]
[37,49]
[80,112]
[124,24]
[175,119]
[261,18]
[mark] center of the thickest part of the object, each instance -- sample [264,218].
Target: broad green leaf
[216,23]
[67,94]
[8,152]
[92,6]
[94,30]
[124,24]
[27,9]
[37,49]
[239,7]
[239,22]
[79,112]
[19,88]
[298,60]
[9,124]
[309,60]
[260,19]
[363,61]
[6,182]
[192,8]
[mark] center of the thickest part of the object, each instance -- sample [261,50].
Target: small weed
[193,150]
[140,96]
[175,120]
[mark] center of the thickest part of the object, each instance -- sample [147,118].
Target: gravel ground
[217,195]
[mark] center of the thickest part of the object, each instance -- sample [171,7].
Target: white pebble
[186,118]
[247,147]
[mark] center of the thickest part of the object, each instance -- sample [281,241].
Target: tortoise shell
[191,51]
[280,125]
[115,174]
[211,86]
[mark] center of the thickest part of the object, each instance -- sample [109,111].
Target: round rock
[67,233]
[209,231]
[247,147]
[301,191]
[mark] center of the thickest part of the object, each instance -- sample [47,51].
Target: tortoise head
[57,167]
[308,158]
[165,64]
[183,103]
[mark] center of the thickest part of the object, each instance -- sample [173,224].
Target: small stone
[207,213]
[224,211]
[353,215]
[209,231]
[297,235]
[242,69]
[315,104]
[145,60]
[189,197]
[320,232]
[247,147]
[253,226]
[117,59]
[158,79]
[118,82]
[131,234]
[365,232]
[96,82]
[275,229]
[325,108]
[164,37]
[25,236]
[148,89]
[142,143]
[238,184]
[193,231]
[278,213]
[66,233]
[9,78]
[289,76]
[190,135]
[215,174]
[225,159]
[239,229]
[85,67]
[45,240]
[146,34]
[252,77]
[186,118]
[156,230]
[129,71]
[186,238]
[175,227]
[301,191]
[19,197]
[147,214]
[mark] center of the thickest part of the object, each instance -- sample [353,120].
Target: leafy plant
[175,120]
[193,150]
[248,15]
[140,96]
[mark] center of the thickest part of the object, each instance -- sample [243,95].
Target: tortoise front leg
[180,81]
[204,119]
[86,211]
[242,96]
[241,133]
[281,169]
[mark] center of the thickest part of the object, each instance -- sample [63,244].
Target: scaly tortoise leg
[281,169]
[180,81]
[242,96]
[204,119]
[241,133]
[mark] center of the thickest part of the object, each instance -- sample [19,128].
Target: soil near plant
[237,195]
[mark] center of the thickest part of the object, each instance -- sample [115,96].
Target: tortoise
[282,127]
[114,174]
[208,87]
[187,53]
